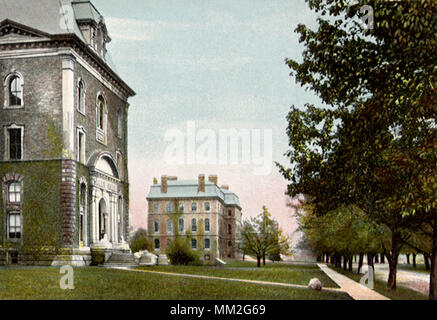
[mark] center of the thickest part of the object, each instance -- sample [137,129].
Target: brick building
[207,215]
[63,138]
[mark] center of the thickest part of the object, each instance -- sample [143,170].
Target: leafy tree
[262,236]
[377,86]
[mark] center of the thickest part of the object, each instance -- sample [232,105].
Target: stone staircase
[121,258]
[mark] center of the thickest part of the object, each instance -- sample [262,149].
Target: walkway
[354,289]
[294,286]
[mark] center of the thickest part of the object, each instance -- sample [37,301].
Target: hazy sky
[219,63]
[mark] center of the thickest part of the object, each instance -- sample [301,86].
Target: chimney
[172,178]
[201,183]
[155,181]
[213,179]
[164,180]
[225,187]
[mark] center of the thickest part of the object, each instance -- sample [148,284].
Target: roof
[184,189]
[46,16]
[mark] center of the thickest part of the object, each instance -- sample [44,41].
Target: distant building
[207,215]
[63,138]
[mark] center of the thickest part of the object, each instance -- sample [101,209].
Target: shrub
[180,253]
[140,241]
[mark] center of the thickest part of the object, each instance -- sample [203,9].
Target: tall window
[207,206]
[194,225]
[194,207]
[81,152]
[169,226]
[14,226]
[14,192]
[193,243]
[229,229]
[207,243]
[82,212]
[156,208]
[156,226]
[181,225]
[14,91]
[181,208]
[101,107]
[157,244]
[207,225]
[169,207]
[101,119]
[81,96]
[14,143]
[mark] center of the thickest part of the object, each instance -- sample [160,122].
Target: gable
[10,33]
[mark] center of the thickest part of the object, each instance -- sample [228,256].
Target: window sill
[13,107]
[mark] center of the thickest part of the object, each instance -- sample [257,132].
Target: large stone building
[207,215]
[63,138]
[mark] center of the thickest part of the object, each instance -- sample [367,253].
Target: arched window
[81,96]
[14,91]
[14,192]
[194,225]
[101,119]
[83,210]
[101,110]
[207,225]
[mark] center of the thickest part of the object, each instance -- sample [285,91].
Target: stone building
[207,215]
[63,138]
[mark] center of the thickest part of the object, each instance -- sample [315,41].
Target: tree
[377,86]
[140,241]
[262,236]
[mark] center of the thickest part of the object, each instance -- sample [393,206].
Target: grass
[93,283]
[272,272]
[409,267]
[401,293]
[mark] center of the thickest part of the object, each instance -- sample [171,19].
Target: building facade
[63,138]
[206,215]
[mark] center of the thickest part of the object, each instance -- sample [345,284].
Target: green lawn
[93,283]
[273,272]
[409,267]
[401,293]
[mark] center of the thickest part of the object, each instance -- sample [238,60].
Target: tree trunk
[376,258]
[360,262]
[327,258]
[408,258]
[351,262]
[258,261]
[426,258]
[244,256]
[370,261]
[264,260]
[382,258]
[414,260]
[433,273]
[392,258]
[344,263]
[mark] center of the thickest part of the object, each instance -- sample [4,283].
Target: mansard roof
[46,18]
[189,189]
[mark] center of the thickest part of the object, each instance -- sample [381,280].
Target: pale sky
[219,63]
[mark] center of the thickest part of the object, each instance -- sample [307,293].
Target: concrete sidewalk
[354,289]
